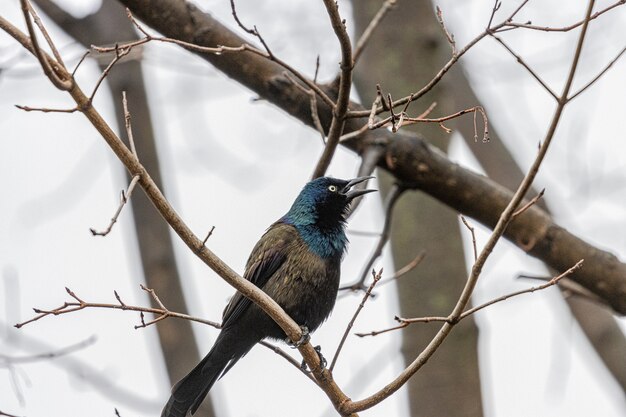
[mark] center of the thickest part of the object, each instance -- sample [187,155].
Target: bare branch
[119,54]
[79,304]
[208,235]
[404,322]
[398,121]
[313,105]
[62,83]
[46,110]
[528,68]
[343,95]
[124,197]
[496,7]
[45,34]
[129,127]
[528,205]
[253,31]
[392,197]
[289,358]
[449,36]
[600,74]
[554,281]
[376,277]
[528,25]
[405,269]
[471,229]
[371,27]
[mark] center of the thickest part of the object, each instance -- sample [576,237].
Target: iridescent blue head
[319,213]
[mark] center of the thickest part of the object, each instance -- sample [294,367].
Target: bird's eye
[332,188]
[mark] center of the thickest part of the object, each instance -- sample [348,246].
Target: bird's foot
[323,361]
[304,339]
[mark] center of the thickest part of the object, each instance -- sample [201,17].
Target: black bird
[297,263]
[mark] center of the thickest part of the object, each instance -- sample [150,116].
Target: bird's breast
[305,286]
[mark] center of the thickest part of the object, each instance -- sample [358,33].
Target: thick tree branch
[406,156]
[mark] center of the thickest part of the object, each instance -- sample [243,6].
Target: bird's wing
[266,257]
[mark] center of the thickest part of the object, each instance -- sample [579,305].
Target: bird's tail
[188,393]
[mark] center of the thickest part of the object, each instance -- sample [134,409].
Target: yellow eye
[332,188]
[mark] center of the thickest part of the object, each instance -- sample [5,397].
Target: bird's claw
[323,361]
[303,339]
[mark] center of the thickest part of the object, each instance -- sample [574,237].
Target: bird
[297,263]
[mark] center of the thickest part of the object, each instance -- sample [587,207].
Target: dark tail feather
[188,393]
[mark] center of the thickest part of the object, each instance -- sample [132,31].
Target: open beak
[351,194]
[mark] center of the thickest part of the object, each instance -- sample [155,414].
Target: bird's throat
[324,242]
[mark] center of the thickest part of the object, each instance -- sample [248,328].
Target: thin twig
[597,77]
[313,106]
[428,110]
[129,127]
[208,235]
[254,31]
[317,68]
[119,54]
[343,95]
[404,322]
[46,110]
[449,36]
[371,27]
[528,205]
[496,7]
[404,120]
[80,61]
[392,197]
[387,330]
[525,65]
[124,197]
[46,36]
[289,358]
[555,280]
[376,277]
[60,83]
[404,270]
[471,229]
[79,304]
[515,25]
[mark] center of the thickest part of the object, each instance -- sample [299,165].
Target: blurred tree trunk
[403,54]
[108,25]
